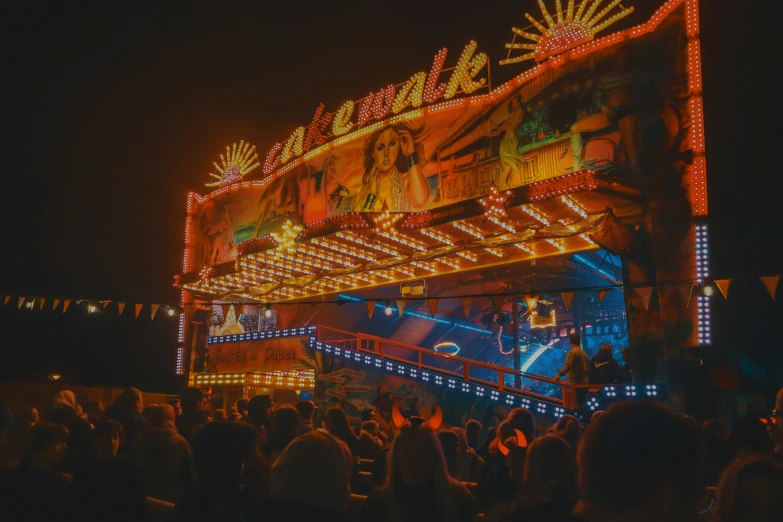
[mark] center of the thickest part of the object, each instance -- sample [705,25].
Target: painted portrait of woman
[393,171]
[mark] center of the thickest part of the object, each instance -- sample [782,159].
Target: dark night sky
[112,113]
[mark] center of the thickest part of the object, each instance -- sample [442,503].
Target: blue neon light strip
[422,316]
[592,265]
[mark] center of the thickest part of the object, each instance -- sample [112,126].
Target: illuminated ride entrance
[486,223]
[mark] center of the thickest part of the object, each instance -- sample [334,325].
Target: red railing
[409,354]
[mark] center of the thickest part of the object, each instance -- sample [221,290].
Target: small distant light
[708,290]
[29,304]
[54,377]
[171,311]
[91,309]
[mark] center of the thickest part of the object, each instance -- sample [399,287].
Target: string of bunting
[643,291]
[92,306]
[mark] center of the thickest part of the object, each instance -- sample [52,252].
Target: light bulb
[91,308]
[171,311]
[388,309]
[268,312]
[708,290]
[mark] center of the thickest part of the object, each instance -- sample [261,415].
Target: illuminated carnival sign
[422,88]
[235,165]
[567,30]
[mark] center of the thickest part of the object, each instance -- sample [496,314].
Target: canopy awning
[357,250]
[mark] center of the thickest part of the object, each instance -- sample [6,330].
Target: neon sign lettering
[422,88]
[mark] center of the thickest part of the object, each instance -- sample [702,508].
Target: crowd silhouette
[180,461]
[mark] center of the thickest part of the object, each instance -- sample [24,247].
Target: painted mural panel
[619,111]
[268,355]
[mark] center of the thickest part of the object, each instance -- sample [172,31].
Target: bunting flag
[723,286]
[601,295]
[106,303]
[138,309]
[432,304]
[56,303]
[66,304]
[568,297]
[497,303]
[370,307]
[401,306]
[686,290]
[770,283]
[43,300]
[7,298]
[645,293]
[120,308]
[20,302]
[225,308]
[154,310]
[467,304]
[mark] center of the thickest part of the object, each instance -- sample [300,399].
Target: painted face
[385,150]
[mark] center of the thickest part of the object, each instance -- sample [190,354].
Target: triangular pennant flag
[686,290]
[568,297]
[225,308]
[370,307]
[645,293]
[66,304]
[241,309]
[723,286]
[138,309]
[432,304]
[401,306]
[467,304]
[601,295]
[43,300]
[55,304]
[20,302]
[154,310]
[770,283]
[7,298]
[120,308]
[106,303]
[497,302]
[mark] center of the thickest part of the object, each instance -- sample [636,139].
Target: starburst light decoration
[569,29]
[286,238]
[236,164]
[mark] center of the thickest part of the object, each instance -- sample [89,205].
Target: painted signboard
[286,353]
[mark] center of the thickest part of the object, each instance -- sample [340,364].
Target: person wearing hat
[576,367]
[603,367]
[310,480]
[195,412]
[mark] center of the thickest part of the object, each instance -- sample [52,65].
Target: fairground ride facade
[571,198]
